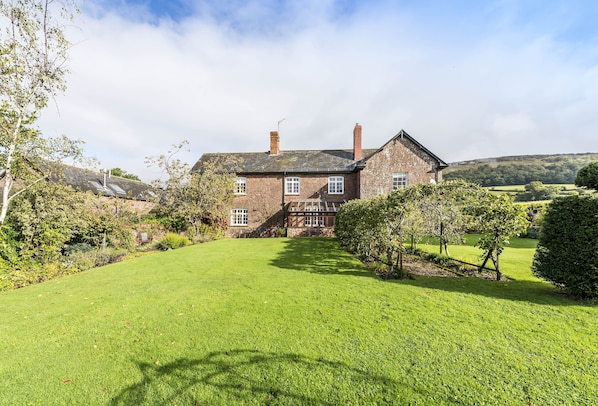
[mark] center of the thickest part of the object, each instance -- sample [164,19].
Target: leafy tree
[567,253]
[355,227]
[375,229]
[124,174]
[440,210]
[588,176]
[45,218]
[108,224]
[192,198]
[537,190]
[33,52]
[393,213]
[498,219]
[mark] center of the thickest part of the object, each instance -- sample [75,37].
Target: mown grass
[515,262]
[291,321]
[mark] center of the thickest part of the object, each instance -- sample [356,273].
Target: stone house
[302,190]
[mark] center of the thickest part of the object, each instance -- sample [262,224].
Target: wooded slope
[520,170]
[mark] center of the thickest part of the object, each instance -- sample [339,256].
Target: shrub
[123,238]
[108,256]
[77,248]
[83,259]
[172,241]
[567,253]
[206,232]
[588,176]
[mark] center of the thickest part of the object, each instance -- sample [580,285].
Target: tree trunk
[8,181]
[440,237]
[498,272]
[446,250]
[481,268]
[389,253]
[400,264]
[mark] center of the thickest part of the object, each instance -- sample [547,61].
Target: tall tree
[190,198]
[33,52]
[588,176]
[567,253]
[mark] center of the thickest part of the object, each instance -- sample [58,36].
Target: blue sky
[468,79]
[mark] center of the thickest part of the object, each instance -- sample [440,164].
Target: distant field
[293,322]
[512,190]
[521,188]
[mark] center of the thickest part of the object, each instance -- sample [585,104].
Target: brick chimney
[274,143]
[357,155]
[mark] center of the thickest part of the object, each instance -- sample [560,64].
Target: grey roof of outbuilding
[87,180]
[297,161]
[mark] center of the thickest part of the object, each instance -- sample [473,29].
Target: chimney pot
[274,143]
[357,155]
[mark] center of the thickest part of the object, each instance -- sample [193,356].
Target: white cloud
[136,88]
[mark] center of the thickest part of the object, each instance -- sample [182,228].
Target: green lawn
[515,261]
[287,322]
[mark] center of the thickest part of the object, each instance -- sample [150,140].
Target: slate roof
[297,161]
[87,180]
[304,161]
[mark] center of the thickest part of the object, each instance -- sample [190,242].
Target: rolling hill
[520,170]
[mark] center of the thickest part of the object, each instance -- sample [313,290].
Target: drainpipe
[284,213]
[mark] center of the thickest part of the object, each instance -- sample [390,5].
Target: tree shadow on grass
[257,377]
[324,256]
[524,291]
[319,255]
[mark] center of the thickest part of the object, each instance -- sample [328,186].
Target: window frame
[289,185]
[314,219]
[400,180]
[333,185]
[238,182]
[239,217]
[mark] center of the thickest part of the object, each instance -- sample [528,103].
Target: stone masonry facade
[266,205]
[398,156]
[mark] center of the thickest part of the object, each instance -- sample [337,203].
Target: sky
[467,79]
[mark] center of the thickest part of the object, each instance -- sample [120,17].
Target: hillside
[520,170]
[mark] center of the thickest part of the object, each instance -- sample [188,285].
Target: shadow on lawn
[524,291]
[324,256]
[251,376]
[318,255]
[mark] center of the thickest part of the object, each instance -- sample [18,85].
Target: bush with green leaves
[567,253]
[588,176]
[536,191]
[172,241]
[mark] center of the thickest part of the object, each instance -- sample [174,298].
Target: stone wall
[399,155]
[265,200]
